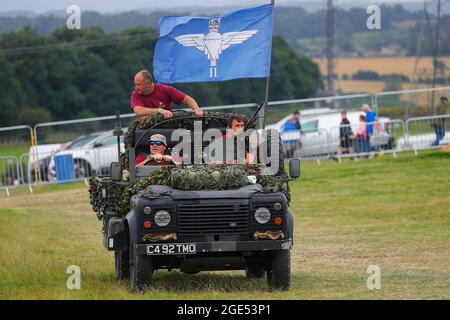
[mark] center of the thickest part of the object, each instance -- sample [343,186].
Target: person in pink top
[361,134]
[149,98]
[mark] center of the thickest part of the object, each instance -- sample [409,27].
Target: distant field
[381,65]
[373,87]
[389,105]
[394,213]
[423,100]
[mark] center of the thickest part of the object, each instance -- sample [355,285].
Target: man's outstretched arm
[192,104]
[142,112]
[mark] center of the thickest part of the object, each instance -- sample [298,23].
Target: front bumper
[232,246]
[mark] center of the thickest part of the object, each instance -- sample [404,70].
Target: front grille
[211,217]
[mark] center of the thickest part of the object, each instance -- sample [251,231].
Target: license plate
[171,248]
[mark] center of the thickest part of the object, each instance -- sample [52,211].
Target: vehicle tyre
[254,270]
[82,169]
[122,264]
[141,270]
[279,270]
[281,154]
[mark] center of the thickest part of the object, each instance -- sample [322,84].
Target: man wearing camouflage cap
[157,156]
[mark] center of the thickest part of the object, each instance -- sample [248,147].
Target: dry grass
[381,65]
[394,213]
[422,100]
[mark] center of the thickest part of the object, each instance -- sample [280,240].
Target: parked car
[320,130]
[90,152]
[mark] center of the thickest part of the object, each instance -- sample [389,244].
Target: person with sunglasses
[157,156]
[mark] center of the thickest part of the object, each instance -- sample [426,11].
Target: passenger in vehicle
[157,156]
[224,146]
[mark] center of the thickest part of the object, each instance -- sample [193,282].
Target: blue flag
[205,49]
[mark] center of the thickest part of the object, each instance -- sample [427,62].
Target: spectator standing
[291,140]
[370,118]
[345,135]
[361,135]
[298,126]
[439,122]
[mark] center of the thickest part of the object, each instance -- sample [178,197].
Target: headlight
[162,218]
[262,215]
[147,210]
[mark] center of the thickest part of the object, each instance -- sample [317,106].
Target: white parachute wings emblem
[230,38]
[213,43]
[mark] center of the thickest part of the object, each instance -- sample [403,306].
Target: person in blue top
[371,117]
[292,135]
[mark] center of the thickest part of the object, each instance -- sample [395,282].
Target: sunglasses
[156,143]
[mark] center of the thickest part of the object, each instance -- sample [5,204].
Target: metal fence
[280,110]
[9,173]
[76,135]
[406,104]
[427,132]
[16,135]
[45,163]
[367,139]
[307,145]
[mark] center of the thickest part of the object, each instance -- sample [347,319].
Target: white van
[320,130]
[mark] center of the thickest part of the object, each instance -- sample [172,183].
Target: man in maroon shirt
[149,98]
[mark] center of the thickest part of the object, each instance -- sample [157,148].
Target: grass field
[13,150]
[394,213]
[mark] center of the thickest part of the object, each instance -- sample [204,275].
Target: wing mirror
[116,171]
[294,168]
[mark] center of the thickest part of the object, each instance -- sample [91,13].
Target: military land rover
[195,217]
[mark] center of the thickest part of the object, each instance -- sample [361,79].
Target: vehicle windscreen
[82,141]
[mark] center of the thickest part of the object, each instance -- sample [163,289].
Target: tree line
[82,73]
[303,29]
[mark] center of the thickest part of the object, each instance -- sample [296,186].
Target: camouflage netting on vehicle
[195,177]
[204,177]
[104,194]
[180,120]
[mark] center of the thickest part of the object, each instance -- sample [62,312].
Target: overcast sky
[41,6]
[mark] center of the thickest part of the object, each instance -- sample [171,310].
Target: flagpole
[266,95]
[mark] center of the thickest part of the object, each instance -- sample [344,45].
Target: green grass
[14,150]
[394,213]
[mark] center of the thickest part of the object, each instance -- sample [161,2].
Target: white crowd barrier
[428,132]
[9,173]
